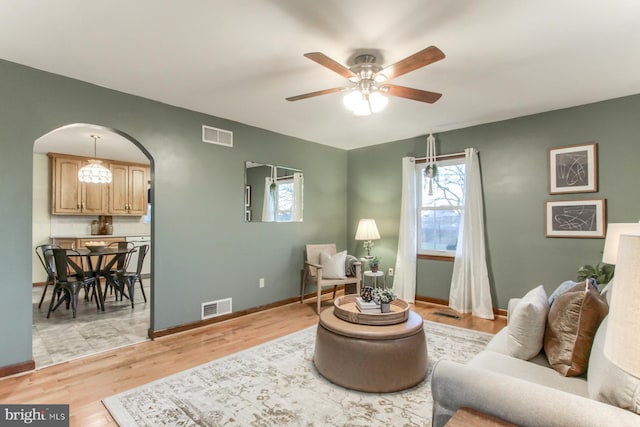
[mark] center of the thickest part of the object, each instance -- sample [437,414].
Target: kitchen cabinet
[65,243]
[128,195]
[77,243]
[125,195]
[72,197]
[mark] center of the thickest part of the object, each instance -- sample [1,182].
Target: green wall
[513,160]
[202,248]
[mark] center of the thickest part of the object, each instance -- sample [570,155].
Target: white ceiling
[240,59]
[77,139]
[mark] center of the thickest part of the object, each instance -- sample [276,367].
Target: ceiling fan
[368,80]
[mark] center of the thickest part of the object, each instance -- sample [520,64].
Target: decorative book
[367,306]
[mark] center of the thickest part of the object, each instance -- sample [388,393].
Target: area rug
[277,384]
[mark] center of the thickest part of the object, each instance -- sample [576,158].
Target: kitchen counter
[96,236]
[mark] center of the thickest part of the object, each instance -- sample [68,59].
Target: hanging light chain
[432,169]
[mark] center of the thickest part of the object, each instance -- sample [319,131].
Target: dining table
[100,268]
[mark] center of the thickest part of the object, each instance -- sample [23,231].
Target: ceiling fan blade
[317,93]
[410,93]
[417,60]
[334,66]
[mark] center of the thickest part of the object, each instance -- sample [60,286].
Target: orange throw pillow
[573,321]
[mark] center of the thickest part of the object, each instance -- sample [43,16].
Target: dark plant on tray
[366,293]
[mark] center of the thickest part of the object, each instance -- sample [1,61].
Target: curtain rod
[284,177]
[441,156]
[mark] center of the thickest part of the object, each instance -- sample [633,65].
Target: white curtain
[404,283]
[297,196]
[470,290]
[268,202]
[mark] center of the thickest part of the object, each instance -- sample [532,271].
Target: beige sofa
[532,393]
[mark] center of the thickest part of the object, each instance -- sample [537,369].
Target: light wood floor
[83,383]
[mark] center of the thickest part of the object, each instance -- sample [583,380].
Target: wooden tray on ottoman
[345,308]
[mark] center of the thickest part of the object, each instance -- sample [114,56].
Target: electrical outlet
[390,272]
[262,282]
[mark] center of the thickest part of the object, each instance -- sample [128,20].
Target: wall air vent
[217,136]
[216,308]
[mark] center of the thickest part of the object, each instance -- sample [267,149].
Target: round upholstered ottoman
[371,358]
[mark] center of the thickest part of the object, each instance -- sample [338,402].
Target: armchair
[314,270]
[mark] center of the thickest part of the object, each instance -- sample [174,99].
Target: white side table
[374,278]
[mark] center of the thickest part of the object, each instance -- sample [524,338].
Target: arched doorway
[61,337]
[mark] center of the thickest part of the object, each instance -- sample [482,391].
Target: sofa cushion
[528,371]
[333,266]
[607,382]
[572,323]
[527,322]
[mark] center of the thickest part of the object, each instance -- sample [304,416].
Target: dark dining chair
[49,267]
[142,254]
[113,268]
[130,277]
[69,278]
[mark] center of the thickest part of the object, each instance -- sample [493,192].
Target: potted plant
[384,296]
[603,273]
[373,263]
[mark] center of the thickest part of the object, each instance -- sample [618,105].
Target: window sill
[449,258]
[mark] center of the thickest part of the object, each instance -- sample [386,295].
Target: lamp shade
[614,230]
[363,104]
[622,346]
[95,173]
[367,230]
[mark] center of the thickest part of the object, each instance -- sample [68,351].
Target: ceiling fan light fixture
[352,99]
[94,172]
[362,109]
[379,78]
[362,104]
[367,91]
[378,101]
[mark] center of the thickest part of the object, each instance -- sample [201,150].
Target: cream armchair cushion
[333,266]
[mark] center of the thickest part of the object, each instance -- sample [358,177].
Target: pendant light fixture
[94,172]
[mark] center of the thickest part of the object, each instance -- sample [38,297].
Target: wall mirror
[272,193]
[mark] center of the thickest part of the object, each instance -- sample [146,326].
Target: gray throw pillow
[561,289]
[565,286]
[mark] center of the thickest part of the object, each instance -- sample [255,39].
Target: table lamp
[611,243]
[622,346]
[610,252]
[368,231]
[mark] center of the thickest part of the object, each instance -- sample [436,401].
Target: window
[284,205]
[283,199]
[439,213]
